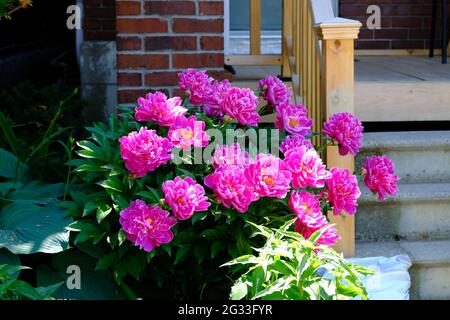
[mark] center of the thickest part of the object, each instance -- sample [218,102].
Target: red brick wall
[99,20]
[157,39]
[405,24]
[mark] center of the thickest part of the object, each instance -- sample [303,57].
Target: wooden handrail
[255,27]
[320,52]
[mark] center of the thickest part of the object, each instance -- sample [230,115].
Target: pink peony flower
[328,238]
[156,107]
[185,197]
[306,167]
[230,155]
[214,100]
[343,191]
[232,188]
[147,226]
[292,142]
[196,83]
[379,176]
[347,130]
[310,218]
[269,176]
[185,133]
[293,118]
[274,91]
[242,105]
[144,151]
[307,208]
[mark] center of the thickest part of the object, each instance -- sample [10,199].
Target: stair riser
[430,282]
[415,166]
[405,220]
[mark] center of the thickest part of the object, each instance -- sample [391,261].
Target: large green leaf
[12,168]
[6,257]
[37,192]
[95,285]
[28,228]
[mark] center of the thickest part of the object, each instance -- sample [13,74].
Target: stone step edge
[406,140]
[410,192]
[421,252]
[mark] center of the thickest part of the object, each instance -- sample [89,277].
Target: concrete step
[419,211]
[419,157]
[430,272]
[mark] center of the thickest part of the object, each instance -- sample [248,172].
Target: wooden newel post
[338,36]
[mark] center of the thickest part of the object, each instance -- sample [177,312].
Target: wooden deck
[405,88]
[387,88]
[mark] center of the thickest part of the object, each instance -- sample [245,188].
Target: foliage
[52,115]
[7,7]
[290,267]
[189,265]
[12,288]
[31,221]
[31,218]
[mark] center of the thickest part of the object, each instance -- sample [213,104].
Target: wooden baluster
[288,20]
[255,27]
[338,37]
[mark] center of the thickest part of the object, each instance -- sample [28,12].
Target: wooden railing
[318,54]
[255,57]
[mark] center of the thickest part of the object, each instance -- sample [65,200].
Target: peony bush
[165,195]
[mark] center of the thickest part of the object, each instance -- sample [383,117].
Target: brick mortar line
[167,18]
[172,51]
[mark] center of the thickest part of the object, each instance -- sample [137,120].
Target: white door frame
[226,27]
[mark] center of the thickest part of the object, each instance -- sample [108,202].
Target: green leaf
[95,285]
[200,251]
[46,292]
[11,270]
[89,167]
[102,212]
[184,172]
[152,195]
[210,234]
[91,149]
[12,168]
[182,254]
[8,258]
[278,285]
[25,289]
[316,235]
[89,208]
[6,127]
[84,225]
[26,228]
[112,183]
[160,179]
[37,192]
[199,216]
[134,265]
[121,237]
[106,261]
[216,248]
[119,200]
[247,259]
[238,291]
